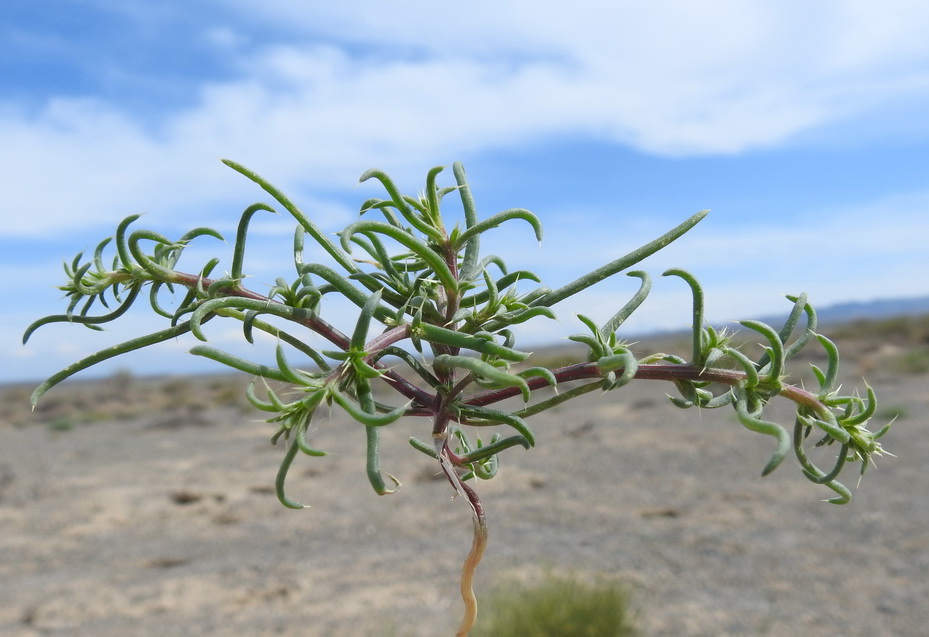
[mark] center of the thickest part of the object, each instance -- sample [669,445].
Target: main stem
[478,544]
[440,435]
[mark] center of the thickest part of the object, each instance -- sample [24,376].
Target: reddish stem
[648,371]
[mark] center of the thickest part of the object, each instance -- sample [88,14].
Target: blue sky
[803,126]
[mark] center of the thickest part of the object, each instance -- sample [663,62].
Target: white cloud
[670,76]
[439,80]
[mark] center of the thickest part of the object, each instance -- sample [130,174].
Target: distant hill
[877,309]
[847,312]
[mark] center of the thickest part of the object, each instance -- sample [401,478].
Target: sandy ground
[166,524]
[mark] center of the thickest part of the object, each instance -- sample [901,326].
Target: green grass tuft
[557,606]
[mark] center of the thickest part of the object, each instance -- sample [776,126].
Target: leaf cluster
[450,314]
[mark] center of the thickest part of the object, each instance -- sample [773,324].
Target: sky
[804,127]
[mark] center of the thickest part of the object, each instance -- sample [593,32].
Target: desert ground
[145,506]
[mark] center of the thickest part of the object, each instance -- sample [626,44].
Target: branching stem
[425,288]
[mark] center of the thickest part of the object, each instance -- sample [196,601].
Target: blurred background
[802,126]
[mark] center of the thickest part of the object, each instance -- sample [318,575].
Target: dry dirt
[164,522]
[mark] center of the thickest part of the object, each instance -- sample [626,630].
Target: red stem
[648,371]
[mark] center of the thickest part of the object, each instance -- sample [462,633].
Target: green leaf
[436,334]
[239,252]
[620,264]
[486,371]
[499,218]
[750,421]
[342,258]
[365,418]
[485,416]
[106,354]
[423,251]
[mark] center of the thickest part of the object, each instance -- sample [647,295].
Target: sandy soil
[165,523]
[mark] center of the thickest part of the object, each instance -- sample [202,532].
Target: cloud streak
[389,88]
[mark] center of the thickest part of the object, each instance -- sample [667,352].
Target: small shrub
[558,606]
[437,328]
[62,423]
[893,412]
[914,360]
